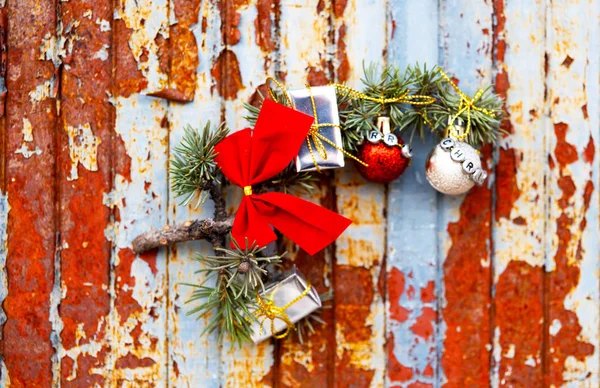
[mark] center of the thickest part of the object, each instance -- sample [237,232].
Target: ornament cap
[383,124]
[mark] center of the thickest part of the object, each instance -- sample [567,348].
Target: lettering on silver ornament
[447,144]
[479,176]
[390,139]
[457,154]
[468,166]
[374,137]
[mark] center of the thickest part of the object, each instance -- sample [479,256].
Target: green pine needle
[227,305]
[193,167]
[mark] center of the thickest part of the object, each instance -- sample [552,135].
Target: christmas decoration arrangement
[297,137]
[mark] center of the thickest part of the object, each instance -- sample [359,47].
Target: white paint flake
[42,91]
[83,148]
[27,131]
[102,54]
[104,24]
[555,327]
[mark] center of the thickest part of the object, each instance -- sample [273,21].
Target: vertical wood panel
[30,177]
[304,58]
[573,256]
[358,292]
[520,197]
[138,284]
[85,141]
[4,206]
[412,269]
[193,360]
[465,221]
[243,65]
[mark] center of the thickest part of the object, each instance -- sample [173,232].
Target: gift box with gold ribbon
[322,149]
[281,305]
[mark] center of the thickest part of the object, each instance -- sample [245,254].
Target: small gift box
[323,148]
[282,304]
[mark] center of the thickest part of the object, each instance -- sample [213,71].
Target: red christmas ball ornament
[386,156]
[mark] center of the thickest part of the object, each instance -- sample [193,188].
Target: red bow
[248,158]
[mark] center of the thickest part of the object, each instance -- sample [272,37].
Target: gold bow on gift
[314,134]
[268,310]
[466,105]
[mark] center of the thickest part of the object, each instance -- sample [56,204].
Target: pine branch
[194,170]
[222,310]
[484,128]
[243,267]
[239,274]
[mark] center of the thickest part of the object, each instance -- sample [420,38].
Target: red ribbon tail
[310,226]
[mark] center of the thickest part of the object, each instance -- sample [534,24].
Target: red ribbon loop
[249,157]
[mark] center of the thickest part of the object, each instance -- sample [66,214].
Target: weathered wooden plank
[4,206]
[248,29]
[359,262]
[465,221]
[572,230]
[84,178]
[193,360]
[518,254]
[304,58]
[412,270]
[30,177]
[136,325]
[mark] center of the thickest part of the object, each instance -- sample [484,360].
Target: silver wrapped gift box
[327,113]
[282,293]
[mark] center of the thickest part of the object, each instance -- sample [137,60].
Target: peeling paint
[148,21]
[83,149]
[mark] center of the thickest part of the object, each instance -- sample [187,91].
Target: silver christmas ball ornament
[454,167]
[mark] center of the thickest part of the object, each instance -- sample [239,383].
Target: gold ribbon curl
[466,105]
[268,310]
[314,134]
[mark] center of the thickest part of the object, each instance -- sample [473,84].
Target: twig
[187,231]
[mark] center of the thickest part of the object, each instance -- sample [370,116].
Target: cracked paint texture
[495,288]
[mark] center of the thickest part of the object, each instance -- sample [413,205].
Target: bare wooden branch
[187,231]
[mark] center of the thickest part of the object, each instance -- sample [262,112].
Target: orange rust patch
[562,280]
[343,70]
[317,76]
[519,318]
[182,58]
[428,292]
[353,297]
[130,361]
[129,79]
[507,188]
[339,6]
[348,375]
[263,25]
[589,151]
[396,283]
[226,71]
[567,62]
[584,110]
[467,312]
[230,19]
[564,152]
[423,327]
[125,282]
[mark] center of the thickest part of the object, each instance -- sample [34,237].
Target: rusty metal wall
[496,288]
